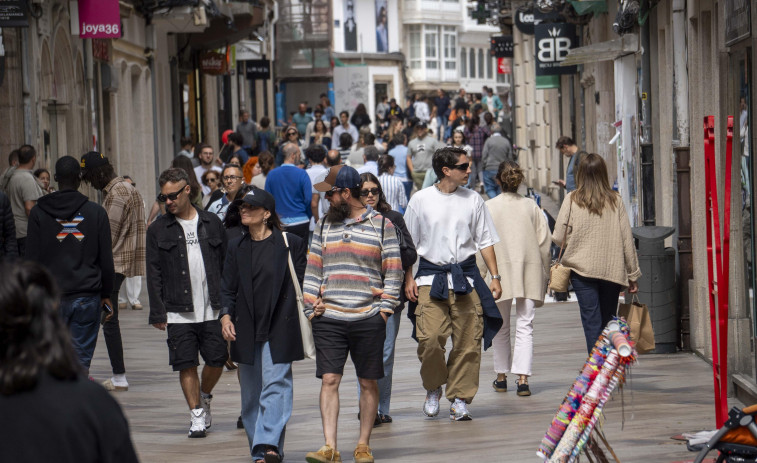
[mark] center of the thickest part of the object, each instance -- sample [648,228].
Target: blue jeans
[267,397]
[408,184]
[598,303]
[82,316]
[442,128]
[490,184]
[385,383]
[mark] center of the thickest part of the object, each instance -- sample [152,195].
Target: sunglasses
[371,191]
[231,178]
[291,133]
[331,192]
[172,196]
[211,180]
[464,166]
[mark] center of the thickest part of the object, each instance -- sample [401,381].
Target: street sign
[213,63]
[256,69]
[502,46]
[553,42]
[99,19]
[13,13]
[526,19]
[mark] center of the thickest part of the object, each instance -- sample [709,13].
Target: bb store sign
[553,42]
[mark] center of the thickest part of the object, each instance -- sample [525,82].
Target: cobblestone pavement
[665,395]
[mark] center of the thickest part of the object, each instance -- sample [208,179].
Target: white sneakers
[431,405]
[205,404]
[197,427]
[458,411]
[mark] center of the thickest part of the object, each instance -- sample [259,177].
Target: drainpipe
[681,81]
[269,84]
[151,41]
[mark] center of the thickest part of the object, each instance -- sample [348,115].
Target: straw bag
[306,330]
[559,276]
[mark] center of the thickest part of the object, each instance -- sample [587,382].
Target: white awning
[603,51]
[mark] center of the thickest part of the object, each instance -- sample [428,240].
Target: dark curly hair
[99,177]
[509,176]
[35,340]
[446,157]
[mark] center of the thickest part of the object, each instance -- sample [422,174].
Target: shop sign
[212,62]
[256,69]
[527,18]
[101,50]
[502,46]
[737,21]
[99,19]
[13,13]
[504,66]
[553,42]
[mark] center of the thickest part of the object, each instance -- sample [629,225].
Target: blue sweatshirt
[292,190]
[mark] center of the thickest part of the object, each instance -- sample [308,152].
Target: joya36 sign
[553,42]
[99,19]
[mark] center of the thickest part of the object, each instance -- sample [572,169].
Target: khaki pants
[461,317]
[418,177]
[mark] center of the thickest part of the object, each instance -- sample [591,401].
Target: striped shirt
[394,191]
[352,270]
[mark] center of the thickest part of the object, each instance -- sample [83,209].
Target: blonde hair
[510,176]
[593,190]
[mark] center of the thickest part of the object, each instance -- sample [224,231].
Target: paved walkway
[666,395]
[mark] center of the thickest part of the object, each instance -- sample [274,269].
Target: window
[415,46]
[489,66]
[431,37]
[480,63]
[463,63]
[472,64]
[450,48]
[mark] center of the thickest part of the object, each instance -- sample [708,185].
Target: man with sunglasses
[352,285]
[450,225]
[126,214]
[186,248]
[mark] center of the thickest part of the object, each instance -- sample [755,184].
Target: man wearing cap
[292,189]
[420,151]
[71,237]
[351,287]
[450,225]
[186,249]
[126,214]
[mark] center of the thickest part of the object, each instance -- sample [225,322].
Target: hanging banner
[382,35]
[213,63]
[256,69]
[350,26]
[99,19]
[502,46]
[553,42]
[504,66]
[13,13]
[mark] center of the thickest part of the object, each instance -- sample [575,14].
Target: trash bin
[657,285]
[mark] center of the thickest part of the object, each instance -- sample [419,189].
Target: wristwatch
[497,277]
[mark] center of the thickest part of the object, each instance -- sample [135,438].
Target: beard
[338,212]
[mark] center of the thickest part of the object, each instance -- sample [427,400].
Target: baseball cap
[92,160]
[421,125]
[339,177]
[259,198]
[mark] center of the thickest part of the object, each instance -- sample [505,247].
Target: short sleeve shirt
[22,187]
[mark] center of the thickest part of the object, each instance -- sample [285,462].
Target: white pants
[517,360]
[133,286]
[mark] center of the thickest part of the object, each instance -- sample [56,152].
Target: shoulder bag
[306,330]
[559,276]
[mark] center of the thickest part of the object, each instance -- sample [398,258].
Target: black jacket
[70,236]
[284,336]
[8,245]
[168,281]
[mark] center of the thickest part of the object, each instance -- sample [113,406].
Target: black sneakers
[500,386]
[523,389]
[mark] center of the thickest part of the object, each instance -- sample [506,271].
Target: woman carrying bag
[259,315]
[599,249]
[522,259]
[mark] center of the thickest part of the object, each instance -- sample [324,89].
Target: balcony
[303,39]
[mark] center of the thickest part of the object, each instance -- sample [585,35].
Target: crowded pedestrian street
[666,395]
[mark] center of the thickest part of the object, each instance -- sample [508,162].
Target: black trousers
[112,331]
[302,230]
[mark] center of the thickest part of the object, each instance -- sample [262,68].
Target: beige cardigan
[598,247]
[523,250]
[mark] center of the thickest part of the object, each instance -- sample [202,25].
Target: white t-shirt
[198,279]
[448,228]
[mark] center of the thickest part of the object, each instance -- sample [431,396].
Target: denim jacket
[168,281]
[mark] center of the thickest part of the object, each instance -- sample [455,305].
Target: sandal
[272,455]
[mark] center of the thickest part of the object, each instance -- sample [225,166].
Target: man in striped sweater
[352,285]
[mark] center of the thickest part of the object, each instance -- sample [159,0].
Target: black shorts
[186,339]
[363,339]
